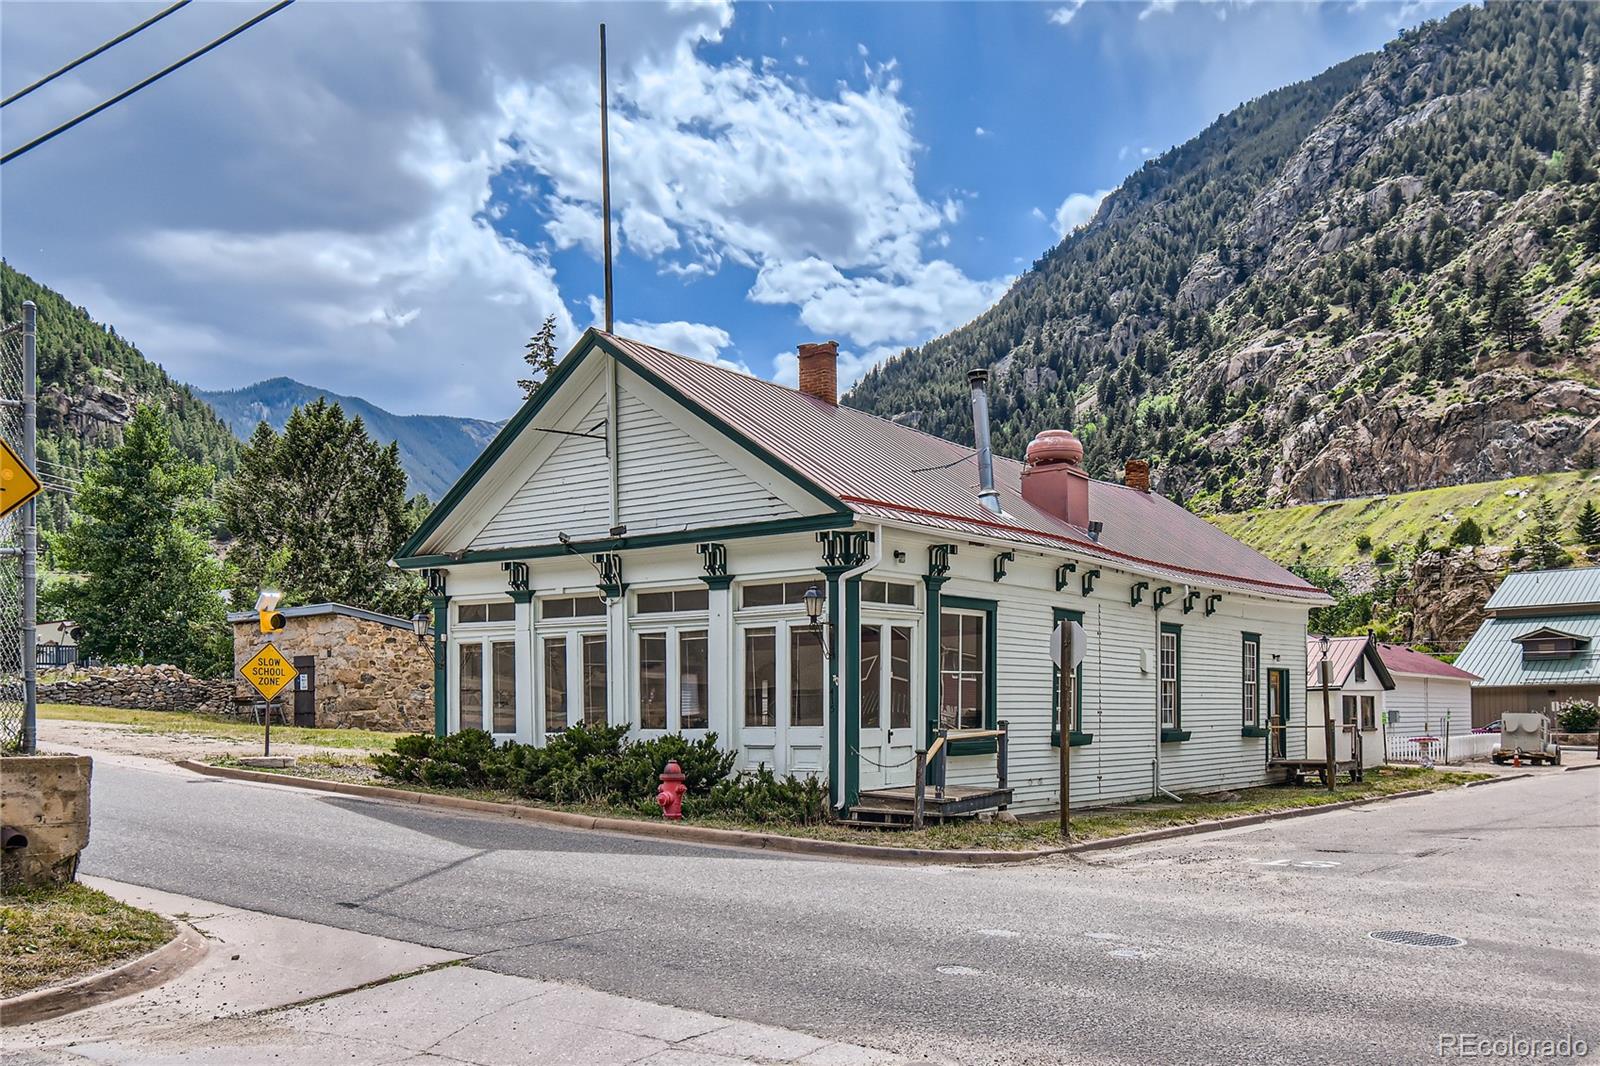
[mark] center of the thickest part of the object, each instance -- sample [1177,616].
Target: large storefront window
[486,685]
[674,680]
[469,684]
[807,702]
[570,650]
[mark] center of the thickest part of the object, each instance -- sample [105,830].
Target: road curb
[137,975]
[1496,780]
[835,849]
[1585,766]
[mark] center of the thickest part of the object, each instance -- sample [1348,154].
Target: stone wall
[154,688]
[44,806]
[369,675]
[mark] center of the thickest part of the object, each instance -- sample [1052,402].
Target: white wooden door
[782,699]
[888,730]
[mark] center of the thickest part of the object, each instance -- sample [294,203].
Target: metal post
[940,762]
[30,534]
[266,717]
[1002,760]
[605,173]
[1447,738]
[919,812]
[1066,777]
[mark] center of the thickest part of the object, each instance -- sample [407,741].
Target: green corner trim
[441,666]
[718,582]
[521,595]
[586,344]
[1254,731]
[1175,736]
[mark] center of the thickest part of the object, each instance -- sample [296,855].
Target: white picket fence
[1457,748]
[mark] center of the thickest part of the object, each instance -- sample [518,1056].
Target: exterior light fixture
[815,600]
[419,624]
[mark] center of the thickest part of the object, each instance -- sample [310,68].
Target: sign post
[18,484]
[1068,642]
[269,673]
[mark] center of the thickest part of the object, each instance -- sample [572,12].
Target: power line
[48,78]
[152,79]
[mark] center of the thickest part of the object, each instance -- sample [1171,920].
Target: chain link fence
[13,693]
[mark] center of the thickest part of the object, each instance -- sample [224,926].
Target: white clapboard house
[1351,674]
[639,544]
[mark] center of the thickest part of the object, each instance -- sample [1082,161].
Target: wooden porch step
[957,801]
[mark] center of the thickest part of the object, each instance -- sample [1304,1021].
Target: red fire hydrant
[670,797]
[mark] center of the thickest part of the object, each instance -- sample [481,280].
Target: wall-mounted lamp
[420,623]
[816,600]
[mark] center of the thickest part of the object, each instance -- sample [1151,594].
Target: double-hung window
[1170,666]
[1369,713]
[572,659]
[1347,704]
[486,667]
[674,661]
[964,668]
[1250,664]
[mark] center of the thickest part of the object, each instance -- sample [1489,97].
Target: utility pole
[1329,751]
[30,533]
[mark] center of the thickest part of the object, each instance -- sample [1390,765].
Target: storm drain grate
[1416,939]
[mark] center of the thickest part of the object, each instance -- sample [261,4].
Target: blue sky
[385,199]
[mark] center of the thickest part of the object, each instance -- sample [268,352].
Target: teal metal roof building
[1538,646]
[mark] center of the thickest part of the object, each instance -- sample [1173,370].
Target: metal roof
[1403,660]
[312,609]
[1496,658]
[1343,653]
[1571,587]
[889,472]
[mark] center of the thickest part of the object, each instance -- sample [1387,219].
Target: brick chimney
[819,370]
[1054,479]
[1136,474]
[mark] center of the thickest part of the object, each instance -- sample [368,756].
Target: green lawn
[183,723]
[1330,529]
[1087,825]
[52,935]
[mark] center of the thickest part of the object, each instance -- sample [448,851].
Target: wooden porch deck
[881,807]
[1298,768]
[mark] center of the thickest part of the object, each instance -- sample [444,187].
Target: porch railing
[933,764]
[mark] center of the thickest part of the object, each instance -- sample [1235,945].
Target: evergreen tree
[1542,543]
[319,511]
[541,357]
[146,588]
[1588,524]
[1467,534]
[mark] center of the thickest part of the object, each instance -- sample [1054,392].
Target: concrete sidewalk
[276,990]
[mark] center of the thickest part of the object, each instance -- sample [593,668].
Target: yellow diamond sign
[269,672]
[18,484]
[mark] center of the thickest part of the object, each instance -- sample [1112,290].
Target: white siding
[564,493]
[1418,705]
[673,476]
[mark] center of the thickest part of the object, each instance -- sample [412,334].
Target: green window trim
[1175,732]
[991,680]
[1076,738]
[1251,640]
[1254,731]
[441,666]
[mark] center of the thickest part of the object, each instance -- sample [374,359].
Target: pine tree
[146,588]
[1542,542]
[541,356]
[318,511]
[1588,524]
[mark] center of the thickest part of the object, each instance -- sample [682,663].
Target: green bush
[764,798]
[1363,544]
[1467,534]
[1383,556]
[1578,716]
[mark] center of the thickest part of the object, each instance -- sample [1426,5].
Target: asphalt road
[1244,947]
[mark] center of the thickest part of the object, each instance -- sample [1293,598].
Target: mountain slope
[434,449]
[1380,279]
[90,381]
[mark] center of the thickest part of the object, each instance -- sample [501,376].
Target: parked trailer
[1525,736]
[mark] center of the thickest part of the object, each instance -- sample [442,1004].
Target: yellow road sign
[269,672]
[18,484]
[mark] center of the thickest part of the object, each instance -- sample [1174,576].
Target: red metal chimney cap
[1053,446]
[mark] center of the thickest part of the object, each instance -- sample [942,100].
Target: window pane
[805,678]
[655,602]
[871,675]
[472,612]
[795,591]
[971,702]
[555,608]
[691,600]
[594,679]
[971,642]
[505,686]
[692,680]
[761,595]
[900,677]
[587,606]
[1348,706]
[502,612]
[555,684]
[760,677]
[949,642]
[470,685]
[653,681]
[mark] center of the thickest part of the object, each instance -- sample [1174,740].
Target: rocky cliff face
[1446,594]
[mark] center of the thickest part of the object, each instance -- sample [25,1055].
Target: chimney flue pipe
[979,380]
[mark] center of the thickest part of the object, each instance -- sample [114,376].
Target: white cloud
[686,338]
[852,365]
[1039,214]
[1077,209]
[1158,7]
[1061,16]
[980,132]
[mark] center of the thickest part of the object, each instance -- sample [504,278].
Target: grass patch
[1330,529]
[185,723]
[1093,824]
[51,935]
